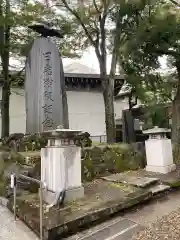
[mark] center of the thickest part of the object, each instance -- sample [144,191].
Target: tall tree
[5,46]
[156,33]
[92,19]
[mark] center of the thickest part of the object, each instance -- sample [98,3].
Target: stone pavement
[149,213]
[116,229]
[157,220]
[11,230]
[103,198]
[162,213]
[161,219]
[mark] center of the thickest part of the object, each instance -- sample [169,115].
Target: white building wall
[119,105]
[86,111]
[16,111]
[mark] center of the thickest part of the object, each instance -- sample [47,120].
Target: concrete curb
[95,217]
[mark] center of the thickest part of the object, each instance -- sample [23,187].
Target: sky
[89,59]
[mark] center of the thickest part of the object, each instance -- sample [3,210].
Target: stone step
[151,184]
[136,181]
[159,188]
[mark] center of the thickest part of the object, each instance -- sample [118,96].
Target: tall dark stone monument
[46,101]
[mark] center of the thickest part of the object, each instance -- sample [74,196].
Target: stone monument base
[61,167]
[74,194]
[70,195]
[161,169]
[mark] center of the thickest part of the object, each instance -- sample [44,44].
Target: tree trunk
[5,95]
[5,105]
[175,136]
[6,84]
[99,44]
[108,95]
[108,82]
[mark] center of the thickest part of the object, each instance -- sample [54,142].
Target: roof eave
[85,75]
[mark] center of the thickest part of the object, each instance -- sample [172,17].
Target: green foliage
[32,142]
[151,31]
[156,115]
[100,24]
[24,143]
[105,159]
[24,13]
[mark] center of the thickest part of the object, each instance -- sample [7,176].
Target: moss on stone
[103,159]
[28,197]
[11,162]
[2,188]
[175,184]
[99,160]
[124,187]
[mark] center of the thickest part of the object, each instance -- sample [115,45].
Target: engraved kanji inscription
[48,70]
[48,122]
[47,109]
[47,56]
[48,95]
[48,81]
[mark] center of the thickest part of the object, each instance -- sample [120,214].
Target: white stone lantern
[61,165]
[159,151]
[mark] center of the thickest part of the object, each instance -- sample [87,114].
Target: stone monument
[46,102]
[159,151]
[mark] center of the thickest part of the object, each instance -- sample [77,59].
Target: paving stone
[130,233]
[132,180]
[13,230]
[119,228]
[171,178]
[159,188]
[3,201]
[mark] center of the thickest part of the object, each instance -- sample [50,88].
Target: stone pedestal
[61,166]
[159,151]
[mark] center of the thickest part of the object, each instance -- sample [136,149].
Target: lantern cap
[46,30]
[156,130]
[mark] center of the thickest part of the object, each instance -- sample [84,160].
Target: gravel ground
[165,228]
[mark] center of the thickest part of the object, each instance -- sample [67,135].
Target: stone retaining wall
[105,159]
